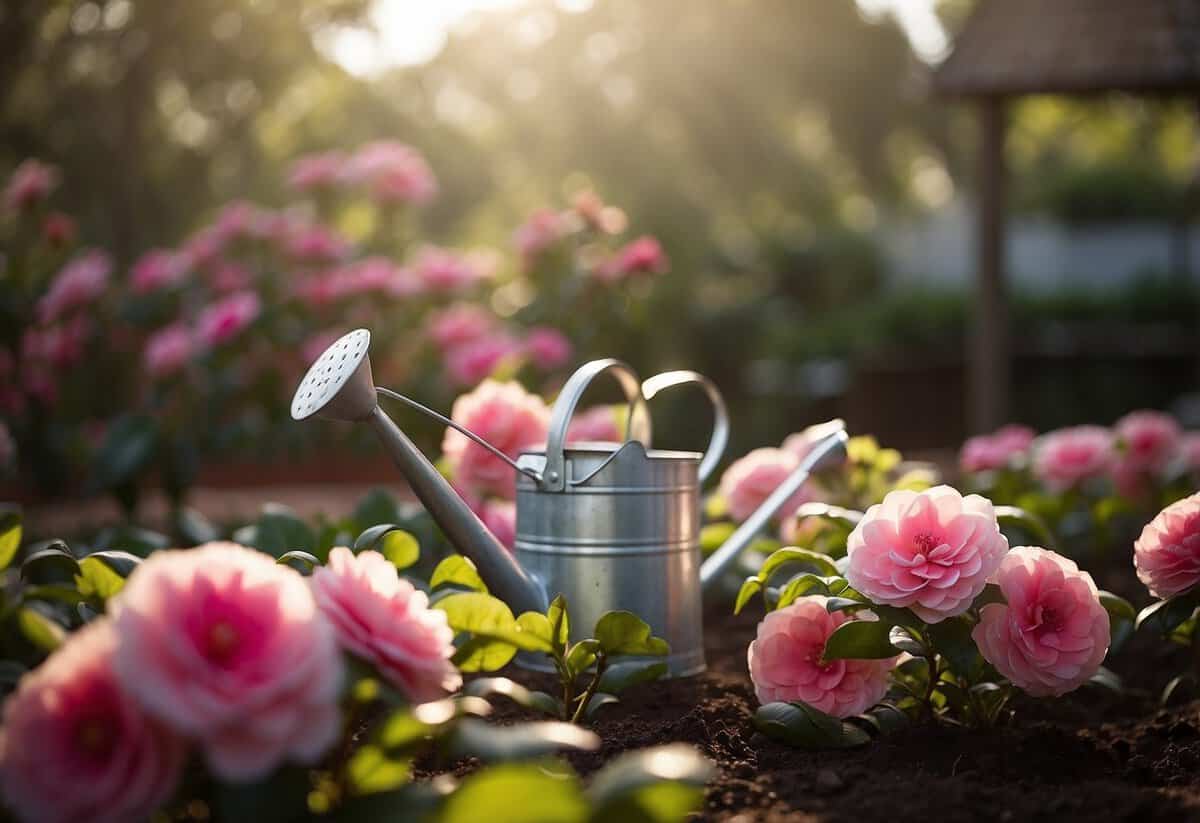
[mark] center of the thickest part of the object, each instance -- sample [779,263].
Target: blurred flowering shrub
[209,336]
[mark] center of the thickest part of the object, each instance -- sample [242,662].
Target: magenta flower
[538,233]
[380,617]
[317,171]
[224,320]
[76,747]
[1146,443]
[313,243]
[990,452]
[786,663]
[599,424]
[747,483]
[1052,633]
[227,647]
[78,283]
[508,417]
[445,271]
[1167,554]
[392,172]
[459,324]
[548,348]
[930,551]
[30,184]
[157,269]
[168,350]
[642,256]
[1066,457]
[225,276]
[471,362]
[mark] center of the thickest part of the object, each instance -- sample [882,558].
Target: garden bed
[1092,755]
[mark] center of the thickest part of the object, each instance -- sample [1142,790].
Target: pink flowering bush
[787,662]
[1051,633]
[379,616]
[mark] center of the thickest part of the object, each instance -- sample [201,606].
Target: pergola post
[989,377]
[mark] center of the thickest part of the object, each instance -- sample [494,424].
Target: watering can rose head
[931,551]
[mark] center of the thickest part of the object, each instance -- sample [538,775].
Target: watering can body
[608,525]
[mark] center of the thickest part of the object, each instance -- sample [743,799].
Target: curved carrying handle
[637,428]
[720,434]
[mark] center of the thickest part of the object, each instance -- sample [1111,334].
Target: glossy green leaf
[303,562]
[826,511]
[128,449]
[582,655]
[52,564]
[97,580]
[414,724]
[660,784]
[799,724]
[791,555]
[951,638]
[805,584]
[560,622]
[750,587]
[371,769]
[1027,520]
[459,571]
[516,793]
[483,654]
[538,701]
[714,535]
[377,506]
[132,539]
[10,537]
[279,529]
[523,741]
[860,640]
[1165,615]
[623,674]
[281,797]
[482,615]
[598,701]
[39,629]
[1107,679]
[537,625]
[194,527]
[393,542]
[623,632]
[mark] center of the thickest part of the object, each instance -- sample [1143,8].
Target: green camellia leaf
[371,769]
[714,535]
[39,629]
[860,640]
[538,701]
[581,656]
[127,450]
[790,555]
[620,676]
[498,744]
[376,506]
[457,571]
[1107,679]
[847,517]
[50,563]
[302,562]
[951,638]
[662,784]
[494,633]
[122,563]
[1122,617]
[799,724]
[598,701]
[97,580]
[10,537]
[537,625]
[393,542]
[622,632]
[414,724]
[194,527]
[1166,615]
[560,623]
[546,795]
[842,604]
[483,654]
[751,586]
[279,797]
[132,539]
[1027,520]
[806,584]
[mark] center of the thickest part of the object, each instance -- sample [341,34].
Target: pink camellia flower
[168,350]
[1167,555]
[642,256]
[460,323]
[59,229]
[313,242]
[500,516]
[785,662]
[78,283]
[203,247]
[599,424]
[226,646]
[76,747]
[591,210]
[225,276]
[508,417]
[752,479]
[471,362]
[224,320]
[380,617]
[797,444]
[989,452]
[157,269]
[30,184]
[1052,633]
[1148,439]
[317,171]
[392,172]
[548,348]
[539,232]
[1065,457]
[930,551]
[442,270]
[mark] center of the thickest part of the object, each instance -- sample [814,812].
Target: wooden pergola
[1010,48]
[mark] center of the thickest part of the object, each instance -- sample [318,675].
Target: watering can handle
[720,434]
[636,428]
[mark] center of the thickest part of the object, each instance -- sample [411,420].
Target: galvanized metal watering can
[608,525]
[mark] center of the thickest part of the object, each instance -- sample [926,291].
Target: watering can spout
[339,386]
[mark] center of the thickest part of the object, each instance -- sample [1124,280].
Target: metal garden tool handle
[826,439]
[637,426]
[720,433]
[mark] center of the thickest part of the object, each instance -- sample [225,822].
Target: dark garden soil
[1091,756]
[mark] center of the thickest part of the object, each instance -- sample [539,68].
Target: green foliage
[799,724]
[397,545]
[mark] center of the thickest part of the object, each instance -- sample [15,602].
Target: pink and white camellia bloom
[1148,439]
[508,417]
[224,320]
[989,452]
[747,483]
[168,350]
[228,648]
[1167,555]
[930,551]
[786,663]
[1067,457]
[460,323]
[540,231]
[380,617]
[392,172]
[1052,633]
[469,363]
[76,747]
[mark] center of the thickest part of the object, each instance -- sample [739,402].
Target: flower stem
[590,692]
